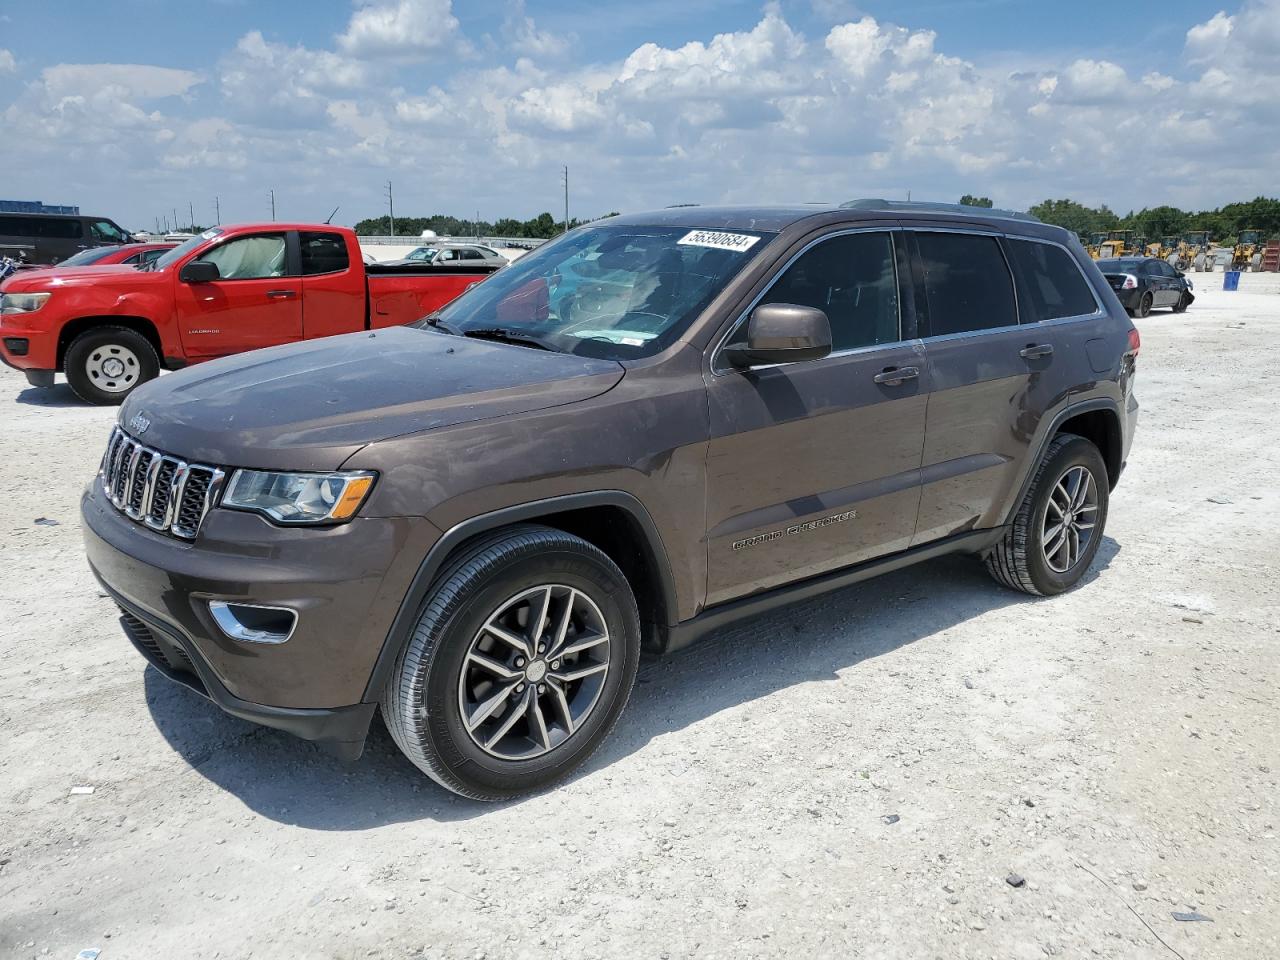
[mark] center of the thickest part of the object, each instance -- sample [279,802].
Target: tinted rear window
[323,253]
[967,283]
[56,228]
[1051,282]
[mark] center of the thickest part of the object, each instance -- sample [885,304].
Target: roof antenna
[329,219]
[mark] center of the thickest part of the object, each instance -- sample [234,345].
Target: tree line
[542,227]
[1224,224]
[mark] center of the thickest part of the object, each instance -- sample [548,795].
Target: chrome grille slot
[152,487]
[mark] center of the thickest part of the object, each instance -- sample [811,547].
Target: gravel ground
[858,776]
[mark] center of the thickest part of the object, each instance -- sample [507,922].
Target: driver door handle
[281,294]
[1034,351]
[892,376]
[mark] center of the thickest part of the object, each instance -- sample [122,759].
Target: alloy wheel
[1069,519]
[534,672]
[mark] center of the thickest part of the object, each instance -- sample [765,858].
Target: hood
[51,278]
[310,405]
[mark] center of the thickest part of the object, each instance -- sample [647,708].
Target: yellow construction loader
[1247,254]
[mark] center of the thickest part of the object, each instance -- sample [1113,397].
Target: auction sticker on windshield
[719,240]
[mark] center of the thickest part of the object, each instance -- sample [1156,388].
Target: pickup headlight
[299,497]
[22,302]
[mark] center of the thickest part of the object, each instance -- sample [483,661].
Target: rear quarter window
[967,283]
[1052,284]
[323,253]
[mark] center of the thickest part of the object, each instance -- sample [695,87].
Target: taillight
[1130,282]
[1135,341]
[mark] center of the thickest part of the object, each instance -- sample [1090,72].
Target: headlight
[299,497]
[22,302]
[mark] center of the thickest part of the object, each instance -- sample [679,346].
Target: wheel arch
[614,521]
[1098,420]
[141,325]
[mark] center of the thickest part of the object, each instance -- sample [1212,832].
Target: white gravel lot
[1118,747]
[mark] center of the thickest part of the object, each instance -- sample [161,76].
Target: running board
[691,631]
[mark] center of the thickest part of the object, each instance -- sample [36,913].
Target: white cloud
[403,29]
[7,63]
[758,114]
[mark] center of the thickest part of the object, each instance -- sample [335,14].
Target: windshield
[86,257]
[618,292]
[182,249]
[422,253]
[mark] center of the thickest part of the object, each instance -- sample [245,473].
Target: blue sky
[133,108]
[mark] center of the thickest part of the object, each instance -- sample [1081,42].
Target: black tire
[421,703]
[84,360]
[1018,560]
[1144,306]
[1181,305]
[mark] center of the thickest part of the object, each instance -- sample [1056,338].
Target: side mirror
[199,271]
[782,333]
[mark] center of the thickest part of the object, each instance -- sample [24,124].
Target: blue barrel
[1231,280]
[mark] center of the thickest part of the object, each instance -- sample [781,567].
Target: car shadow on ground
[290,781]
[59,395]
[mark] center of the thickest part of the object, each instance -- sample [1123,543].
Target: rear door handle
[281,294]
[1034,351]
[892,376]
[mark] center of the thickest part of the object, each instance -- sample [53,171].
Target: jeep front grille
[163,492]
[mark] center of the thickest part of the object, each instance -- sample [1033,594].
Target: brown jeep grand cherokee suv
[651,425]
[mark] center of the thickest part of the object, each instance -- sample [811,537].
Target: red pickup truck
[228,290]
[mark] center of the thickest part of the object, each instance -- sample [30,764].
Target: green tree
[1076,217]
[969,200]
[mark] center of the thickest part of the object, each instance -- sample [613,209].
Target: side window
[16,227]
[323,253]
[250,258]
[150,256]
[967,283]
[104,231]
[446,255]
[136,258]
[471,255]
[1051,281]
[851,278]
[58,228]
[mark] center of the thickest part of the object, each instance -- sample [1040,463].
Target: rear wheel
[104,365]
[1144,305]
[519,666]
[1059,524]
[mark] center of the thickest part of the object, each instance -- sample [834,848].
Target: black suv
[641,430]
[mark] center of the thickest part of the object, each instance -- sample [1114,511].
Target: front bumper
[345,584]
[37,348]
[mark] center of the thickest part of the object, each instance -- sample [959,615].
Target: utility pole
[157,224]
[217,210]
[175,219]
[391,207]
[273,203]
[566,198]
[191,212]
[477,224]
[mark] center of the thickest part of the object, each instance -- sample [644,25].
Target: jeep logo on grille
[139,424]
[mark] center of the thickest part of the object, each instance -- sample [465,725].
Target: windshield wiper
[510,336]
[433,320]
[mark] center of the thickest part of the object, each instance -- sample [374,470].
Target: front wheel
[519,665]
[1182,304]
[1058,527]
[104,365]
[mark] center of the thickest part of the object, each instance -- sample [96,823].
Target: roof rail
[924,206]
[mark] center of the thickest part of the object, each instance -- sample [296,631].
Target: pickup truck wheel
[1058,527]
[519,665]
[105,364]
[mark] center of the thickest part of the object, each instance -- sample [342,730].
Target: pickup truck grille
[163,492]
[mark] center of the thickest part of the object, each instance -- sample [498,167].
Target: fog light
[251,623]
